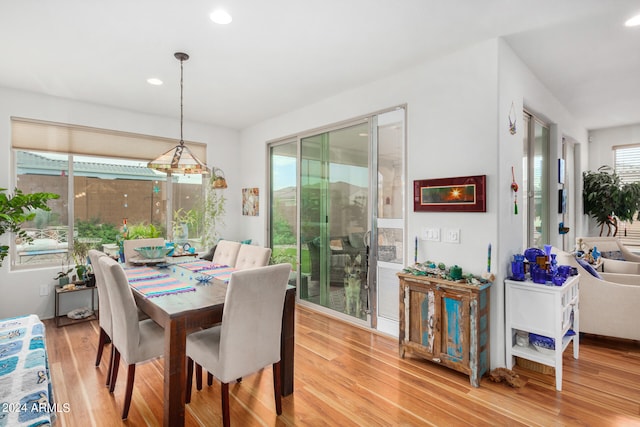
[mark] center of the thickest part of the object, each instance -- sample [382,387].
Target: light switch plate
[44,290]
[431,234]
[452,235]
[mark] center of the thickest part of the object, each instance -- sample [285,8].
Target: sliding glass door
[337,215]
[334,217]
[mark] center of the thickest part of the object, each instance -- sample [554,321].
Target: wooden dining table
[181,313]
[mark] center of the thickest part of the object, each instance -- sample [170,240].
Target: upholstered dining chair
[250,256]
[248,338]
[135,341]
[226,252]
[103,306]
[130,246]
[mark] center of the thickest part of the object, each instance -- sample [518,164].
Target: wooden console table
[446,322]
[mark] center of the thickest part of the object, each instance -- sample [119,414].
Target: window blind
[28,134]
[627,166]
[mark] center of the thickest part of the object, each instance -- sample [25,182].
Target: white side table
[545,310]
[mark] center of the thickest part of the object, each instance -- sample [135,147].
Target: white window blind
[28,134]
[627,165]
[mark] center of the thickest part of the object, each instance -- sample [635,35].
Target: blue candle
[415,252]
[489,259]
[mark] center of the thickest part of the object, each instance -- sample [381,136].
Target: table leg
[174,372]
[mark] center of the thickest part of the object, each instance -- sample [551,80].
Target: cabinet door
[454,330]
[422,318]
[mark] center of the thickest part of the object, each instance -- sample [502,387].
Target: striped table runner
[220,272]
[151,283]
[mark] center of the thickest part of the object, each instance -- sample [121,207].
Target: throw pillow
[617,255]
[209,255]
[584,264]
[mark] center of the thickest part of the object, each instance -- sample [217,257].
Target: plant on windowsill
[608,200]
[18,208]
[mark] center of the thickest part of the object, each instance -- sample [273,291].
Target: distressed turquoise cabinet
[446,322]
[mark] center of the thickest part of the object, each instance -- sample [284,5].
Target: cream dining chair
[248,338]
[130,246]
[104,308]
[250,256]
[226,253]
[135,341]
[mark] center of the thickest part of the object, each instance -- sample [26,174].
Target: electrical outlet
[452,235]
[44,290]
[432,234]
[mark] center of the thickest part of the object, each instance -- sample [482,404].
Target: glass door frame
[371,214]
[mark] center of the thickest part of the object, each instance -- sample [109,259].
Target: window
[626,160]
[536,182]
[97,192]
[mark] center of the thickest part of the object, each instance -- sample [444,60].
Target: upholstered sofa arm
[623,279]
[616,266]
[609,309]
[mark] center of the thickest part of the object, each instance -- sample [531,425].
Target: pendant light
[179,159]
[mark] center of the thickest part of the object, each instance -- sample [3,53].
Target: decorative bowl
[203,279]
[152,252]
[532,253]
[543,344]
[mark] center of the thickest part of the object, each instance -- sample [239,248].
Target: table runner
[220,272]
[136,274]
[199,265]
[152,283]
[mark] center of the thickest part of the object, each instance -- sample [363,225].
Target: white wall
[601,143]
[451,132]
[21,289]
[520,86]
[457,119]
[457,108]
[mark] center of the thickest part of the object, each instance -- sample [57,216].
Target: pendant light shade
[179,159]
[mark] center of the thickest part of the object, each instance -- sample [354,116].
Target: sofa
[609,302]
[609,247]
[616,257]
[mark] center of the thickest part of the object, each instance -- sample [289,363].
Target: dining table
[184,295]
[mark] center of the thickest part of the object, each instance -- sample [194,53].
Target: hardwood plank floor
[350,376]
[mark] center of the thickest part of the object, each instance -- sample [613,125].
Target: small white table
[546,310]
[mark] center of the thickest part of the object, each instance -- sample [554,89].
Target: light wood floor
[348,376]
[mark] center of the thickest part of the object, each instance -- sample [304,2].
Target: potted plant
[63,275]
[18,208]
[608,200]
[213,211]
[80,257]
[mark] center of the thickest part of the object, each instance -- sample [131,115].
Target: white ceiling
[279,55]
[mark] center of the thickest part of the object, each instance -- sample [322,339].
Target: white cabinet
[550,311]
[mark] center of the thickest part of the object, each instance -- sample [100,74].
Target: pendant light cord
[181,106]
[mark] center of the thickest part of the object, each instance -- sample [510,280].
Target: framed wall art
[250,201]
[460,194]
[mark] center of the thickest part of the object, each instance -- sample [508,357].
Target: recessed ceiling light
[220,17]
[154,81]
[633,22]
